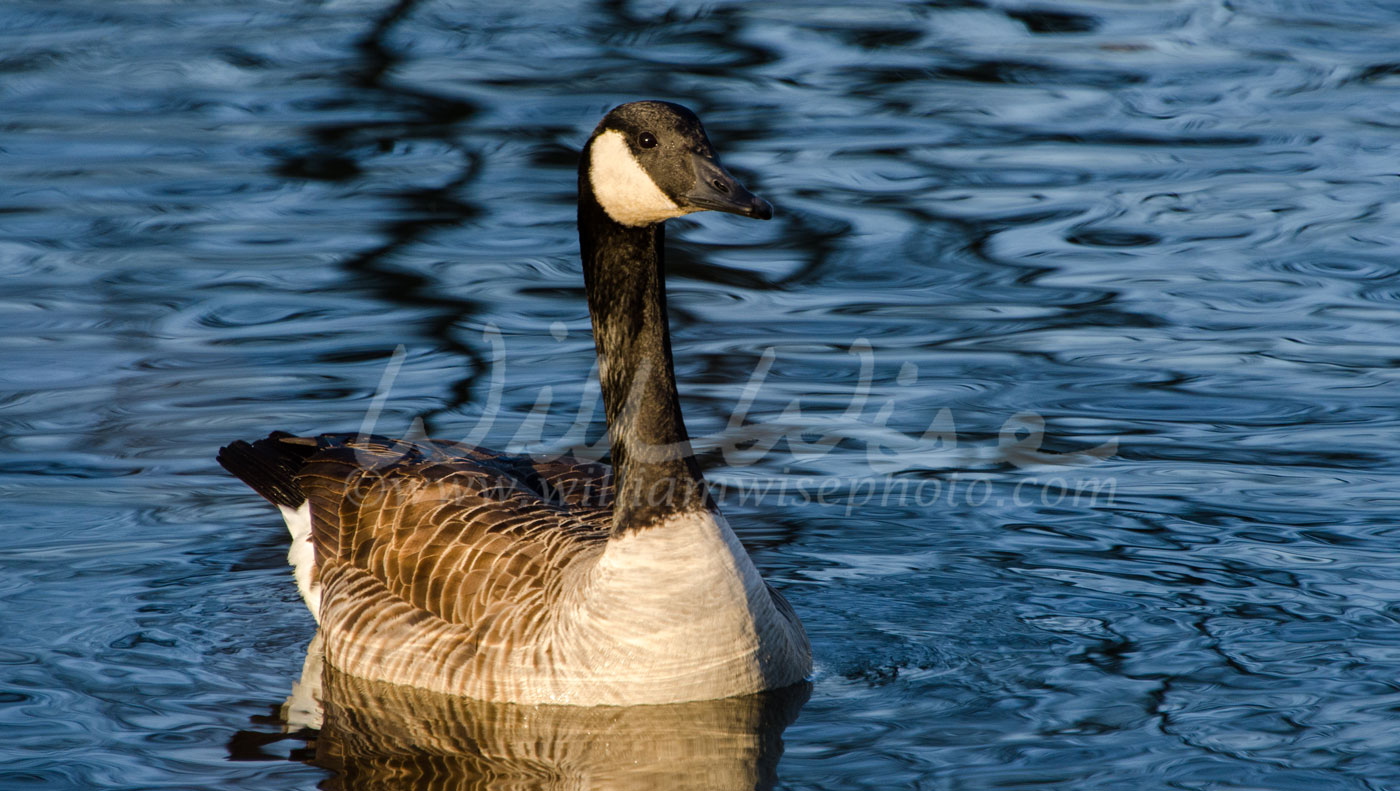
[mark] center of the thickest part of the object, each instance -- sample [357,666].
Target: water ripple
[1006,236]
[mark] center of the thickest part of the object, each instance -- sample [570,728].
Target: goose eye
[646,140]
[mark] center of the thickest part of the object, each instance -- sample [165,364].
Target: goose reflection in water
[374,735]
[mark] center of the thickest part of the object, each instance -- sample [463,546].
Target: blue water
[1059,397]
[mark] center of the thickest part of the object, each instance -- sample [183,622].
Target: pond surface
[1059,397]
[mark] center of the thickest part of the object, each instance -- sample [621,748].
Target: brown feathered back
[424,549]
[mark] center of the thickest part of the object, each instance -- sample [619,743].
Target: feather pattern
[459,570]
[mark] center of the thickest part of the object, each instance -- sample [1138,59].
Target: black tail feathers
[270,465]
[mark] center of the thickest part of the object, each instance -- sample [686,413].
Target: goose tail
[270,466]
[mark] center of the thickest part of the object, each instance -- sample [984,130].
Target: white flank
[302,555]
[622,186]
[672,613]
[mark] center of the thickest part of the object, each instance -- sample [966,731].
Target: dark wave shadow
[393,112]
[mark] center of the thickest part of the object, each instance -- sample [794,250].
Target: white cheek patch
[623,188]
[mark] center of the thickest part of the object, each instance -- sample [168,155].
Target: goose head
[650,161]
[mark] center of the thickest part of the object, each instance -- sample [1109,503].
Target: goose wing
[427,553]
[449,529]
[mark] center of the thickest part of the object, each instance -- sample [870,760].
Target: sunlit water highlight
[1159,237]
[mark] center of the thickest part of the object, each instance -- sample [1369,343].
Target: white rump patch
[302,555]
[623,187]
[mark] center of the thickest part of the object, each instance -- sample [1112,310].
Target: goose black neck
[655,474]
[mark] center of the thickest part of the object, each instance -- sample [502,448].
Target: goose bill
[716,189]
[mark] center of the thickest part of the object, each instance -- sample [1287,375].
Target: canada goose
[477,573]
